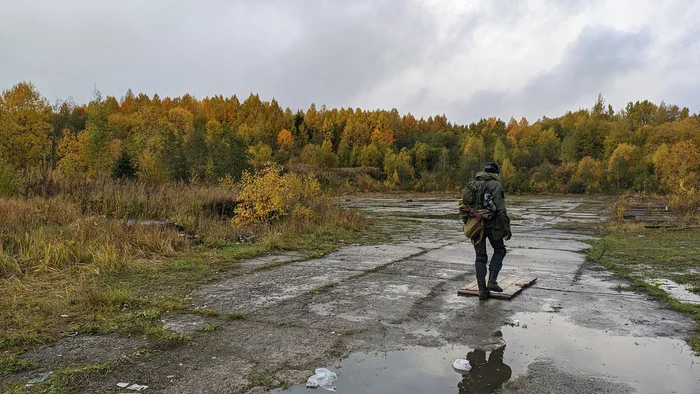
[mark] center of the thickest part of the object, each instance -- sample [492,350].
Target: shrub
[269,195]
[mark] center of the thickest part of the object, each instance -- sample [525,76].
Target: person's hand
[507,238]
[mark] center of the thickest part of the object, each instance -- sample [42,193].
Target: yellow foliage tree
[24,125]
[623,165]
[385,136]
[260,154]
[590,171]
[152,167]
[182,120]
[678,169]
[268,195]
[284,139]
[474,147]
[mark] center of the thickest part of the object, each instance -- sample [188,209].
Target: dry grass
[81,230]
[73,256]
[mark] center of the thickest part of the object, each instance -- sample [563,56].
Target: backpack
[472,193]
[474,211]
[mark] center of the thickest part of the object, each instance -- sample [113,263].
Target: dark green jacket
[500,222]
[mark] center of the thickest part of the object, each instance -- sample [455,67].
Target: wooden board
[511,285]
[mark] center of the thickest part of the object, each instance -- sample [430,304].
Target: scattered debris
[38,380]
[64,316]
[515,323]
[461,365]
[323,378]
[170,376]
[648,209]
[640,236]
[132,387]
[245,237]
[137,387]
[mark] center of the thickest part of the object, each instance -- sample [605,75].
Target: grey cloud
[337,58]
[588,67]
[330,52]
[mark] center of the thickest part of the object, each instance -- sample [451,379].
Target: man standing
[496,230]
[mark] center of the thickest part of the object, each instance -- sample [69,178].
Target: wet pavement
[387,318]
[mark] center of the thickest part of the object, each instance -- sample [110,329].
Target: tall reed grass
[77,252]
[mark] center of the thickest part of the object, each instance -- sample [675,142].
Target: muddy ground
[387,318]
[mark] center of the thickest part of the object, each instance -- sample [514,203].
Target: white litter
[323,378]
[137,387]
[461,365]
[122,385]
[516,323]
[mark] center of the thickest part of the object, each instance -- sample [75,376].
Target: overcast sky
[466,59]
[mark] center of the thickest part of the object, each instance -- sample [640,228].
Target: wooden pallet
[511,285]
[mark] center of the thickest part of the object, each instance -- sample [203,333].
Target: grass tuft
[235,316]
[12,364]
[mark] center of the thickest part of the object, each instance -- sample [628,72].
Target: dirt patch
[187,324]
[85,349]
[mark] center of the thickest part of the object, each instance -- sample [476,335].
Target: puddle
[677,291]
[649,365]
[415,369]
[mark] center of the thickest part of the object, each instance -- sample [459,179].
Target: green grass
[235,316]
[164,338]
[658,253]
[209,328]
[261,378]
[322,289]
[13,364]
[207,312]
[65,380]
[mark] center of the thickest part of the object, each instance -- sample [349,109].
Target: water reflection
[486,376]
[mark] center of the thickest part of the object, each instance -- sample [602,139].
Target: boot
[493,285]
[481,281]
[484,292]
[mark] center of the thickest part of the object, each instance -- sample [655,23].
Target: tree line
[643,147]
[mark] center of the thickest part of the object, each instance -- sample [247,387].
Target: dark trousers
[499,252]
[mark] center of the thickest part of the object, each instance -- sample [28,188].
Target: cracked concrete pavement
[372,303]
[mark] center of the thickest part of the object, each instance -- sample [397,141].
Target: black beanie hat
[492,168]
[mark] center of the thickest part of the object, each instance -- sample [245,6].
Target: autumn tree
[399,164]
[624,165]
[678,168]
[588,176]
[24,125]
[371,156]
[260,154]
[284,139]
